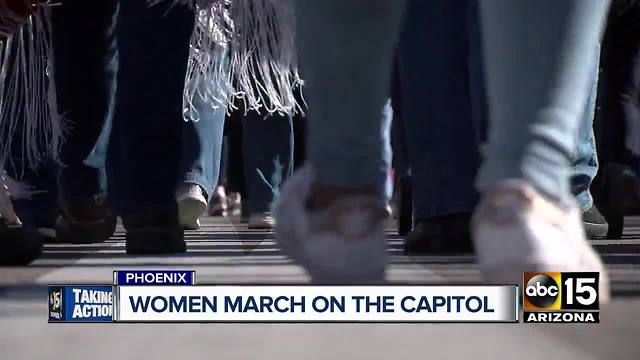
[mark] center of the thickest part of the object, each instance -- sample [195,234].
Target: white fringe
[27,94]
[259,36]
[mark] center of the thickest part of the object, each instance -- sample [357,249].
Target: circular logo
[542,291]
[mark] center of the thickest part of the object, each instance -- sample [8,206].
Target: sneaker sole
[596,231]
[189,211]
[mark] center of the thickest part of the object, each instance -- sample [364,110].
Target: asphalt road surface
[226,252]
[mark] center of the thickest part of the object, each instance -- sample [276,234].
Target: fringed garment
[262,72]
[260,42]
[28,111]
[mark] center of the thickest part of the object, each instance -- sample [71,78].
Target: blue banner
[81,303]
[154,277]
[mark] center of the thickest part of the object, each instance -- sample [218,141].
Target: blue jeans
[347,88]
[202,146]
[440,122]
[538,146]
[535,111]
[268,157]
[456,111]
[146,141]
[585,164]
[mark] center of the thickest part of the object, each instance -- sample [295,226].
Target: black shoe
[443,235]
[154,234]
[20,245]
[85,221]
[595,226]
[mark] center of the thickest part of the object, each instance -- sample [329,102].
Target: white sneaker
[191,205]
[343,244]
[261,221]
[516,230]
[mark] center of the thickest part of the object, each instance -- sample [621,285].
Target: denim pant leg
[585,165]
[98,156]
[267,142]
[146,135]
[202,148]
[345,48]
[437,109]
[85,64]
[538,54]
[202,143]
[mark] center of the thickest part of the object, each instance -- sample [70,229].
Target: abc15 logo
[55,300]
[561,291]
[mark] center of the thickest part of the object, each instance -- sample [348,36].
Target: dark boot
[85,221]
[449,234]
[154,234]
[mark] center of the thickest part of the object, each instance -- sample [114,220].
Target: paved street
[225,252]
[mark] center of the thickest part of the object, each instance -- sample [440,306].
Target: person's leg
[27,221]
[299,133]
[538,65]
[620,100]
[199,167]
[619,117]
[361,166]
[403,198]
[330,215]
[532,131]
[27,183]
[631,102]
[438,117]
[85,86]
[219,202]
[236,182]
[268,161]
[400,153]
[387,120]
[585,163]
[146,135]
[39,210]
